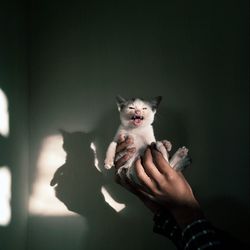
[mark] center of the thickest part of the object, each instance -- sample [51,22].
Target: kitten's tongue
[137,122]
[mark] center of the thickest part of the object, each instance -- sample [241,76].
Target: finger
[119,163]
[150,168]
[127,156]
[123,144]
[138,189]
[124,181]
[133,187]
[161,164]
[144,179]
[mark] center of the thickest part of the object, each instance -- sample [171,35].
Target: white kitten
[136,117]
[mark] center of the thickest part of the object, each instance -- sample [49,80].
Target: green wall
[82,54]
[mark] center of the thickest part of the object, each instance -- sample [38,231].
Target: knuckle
[147,162]
[122,145]
[158,155]
[171,177]
[163,187]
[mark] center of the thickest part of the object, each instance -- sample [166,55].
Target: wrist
[186,214]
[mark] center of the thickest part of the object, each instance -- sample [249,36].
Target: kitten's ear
[155,102]
[120,102]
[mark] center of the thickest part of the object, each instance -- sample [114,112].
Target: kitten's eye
[145,108]
[131,107]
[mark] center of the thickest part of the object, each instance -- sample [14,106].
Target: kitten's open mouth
[137,119]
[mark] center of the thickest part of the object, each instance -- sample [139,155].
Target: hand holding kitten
[161,186]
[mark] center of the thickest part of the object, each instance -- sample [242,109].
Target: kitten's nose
[137,112]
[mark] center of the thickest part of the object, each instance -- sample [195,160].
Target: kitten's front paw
[167,144]
[108,163]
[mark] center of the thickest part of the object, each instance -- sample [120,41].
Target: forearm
[200,234]
[166,225]
[197,234]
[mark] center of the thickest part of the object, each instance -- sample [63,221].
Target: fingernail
[129,140]
[132,150]
[121,137]
[126,157]
[153,145]
[138,157]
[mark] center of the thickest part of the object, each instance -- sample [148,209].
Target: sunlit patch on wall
[118,207]
[106,195]
[5,196]
[42,200]
[96,162]
[4,115]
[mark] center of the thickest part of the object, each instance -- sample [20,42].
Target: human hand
[126,149]
[166,186]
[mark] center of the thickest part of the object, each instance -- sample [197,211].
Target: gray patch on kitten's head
[154,103]
[122,102]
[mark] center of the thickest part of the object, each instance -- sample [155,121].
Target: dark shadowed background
[62,64]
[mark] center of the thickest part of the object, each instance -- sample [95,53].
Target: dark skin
[161,186]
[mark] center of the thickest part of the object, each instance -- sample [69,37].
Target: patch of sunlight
[96,163]
[106,195]
[5,196]
[4,115]
[118,207]
[43,200]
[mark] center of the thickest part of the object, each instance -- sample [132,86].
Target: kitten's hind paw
[182,164]
[180,159]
